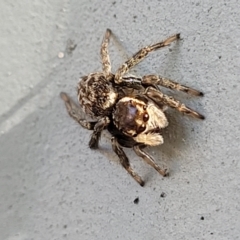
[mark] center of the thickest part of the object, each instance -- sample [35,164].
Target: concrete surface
[54,187]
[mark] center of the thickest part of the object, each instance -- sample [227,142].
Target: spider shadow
[177,137]
[119,53]
[174,136]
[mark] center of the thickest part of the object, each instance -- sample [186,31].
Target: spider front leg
[140,55]
[98,128]
[125,161]
[105,55]
[75,112]
[165,82]
[162,99]
[138,149]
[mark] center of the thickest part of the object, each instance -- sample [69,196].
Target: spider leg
[140,55]
[138,149]
[98,128]
[75,112]
[160,98]
[125,161]
[165,82]
[106,65]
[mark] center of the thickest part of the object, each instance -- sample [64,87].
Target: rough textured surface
[54,187]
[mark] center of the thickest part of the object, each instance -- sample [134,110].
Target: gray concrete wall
[54,187]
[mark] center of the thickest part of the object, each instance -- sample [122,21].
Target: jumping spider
[131,108]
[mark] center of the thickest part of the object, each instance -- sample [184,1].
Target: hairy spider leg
[159,98]
[106,64]
[168,83]
[125,161]
[140,55]
[138,149]
[75,112]
[98,128]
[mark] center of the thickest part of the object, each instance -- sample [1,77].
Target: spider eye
[134,135]
[144,107]
[145,117]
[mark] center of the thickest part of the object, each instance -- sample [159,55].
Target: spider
[131,108]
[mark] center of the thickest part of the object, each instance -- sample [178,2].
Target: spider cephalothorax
[131,108]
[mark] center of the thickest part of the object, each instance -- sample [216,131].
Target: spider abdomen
[96,95]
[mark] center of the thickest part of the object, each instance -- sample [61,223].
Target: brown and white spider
[129,107]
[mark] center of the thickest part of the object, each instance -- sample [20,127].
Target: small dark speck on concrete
[65,226]
[70,46]
[136,200]
[219,57]
[202,218]
[135,17]
[114,3]
[209,9]
[211,233]
[115,16]
[163,195]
